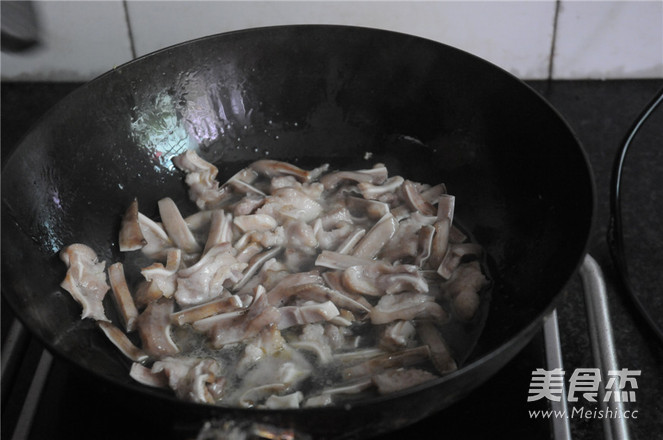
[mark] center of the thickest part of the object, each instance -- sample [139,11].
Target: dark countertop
[600,113]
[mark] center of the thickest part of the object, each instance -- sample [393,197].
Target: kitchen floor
[600,113]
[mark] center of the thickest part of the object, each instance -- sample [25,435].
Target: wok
[305,94]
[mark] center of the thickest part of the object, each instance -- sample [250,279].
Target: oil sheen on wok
[288,288]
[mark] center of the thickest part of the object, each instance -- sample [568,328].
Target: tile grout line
[551,56]
[130,33]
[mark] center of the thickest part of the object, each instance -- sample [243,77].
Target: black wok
[306,94]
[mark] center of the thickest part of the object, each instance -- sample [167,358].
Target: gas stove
[45,397]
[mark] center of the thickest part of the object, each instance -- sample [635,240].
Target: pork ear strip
[414,200]
[254,265]
[220,229]
[145,376]
[280,261]
[335,260]
[131,237]
[122,342]
[306,314]
[397,379]
[407,306]
[122,296]
[320,293]
[158,241]
[376,175]
[228,304]
[375,239]
[403,358]
[176,227]
[439,351]
[273,168]
[154,328]
[160,280]
[373,192]
[200,176]
[85,280]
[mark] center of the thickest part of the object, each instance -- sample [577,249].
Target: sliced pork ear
[227,304]
[321,294]
[292,400]
[193,379]
[338,236]
[122,296]
[334,280]
[199,220]
[373,192]
[255,222]
[440,354]
[85,280]
[363,279]
[157,239]
[313,340]
[440,243]
[346,388]
[205,280]
[122,342]
[242,182]
[424,244]
[414,200]
[456,235]
[131,237]
[204,189]
[405,243]
[400,359]
[154,328]
[306,314]
[245,325]
[464,287]
[407,278]
[398,379]
[379,278]
[376,175]
[146,292]
[398,335]
[300,236]
[290,204]
[332,180]
[279,294]
[350,241]
[275,168]
[407,306]
[432,195]
[145,376]
[255,264]
[253,396]
[375,239]
[220,229]
[454,256]
[335,215]
[336,260]
[445,207]
[162,280]
[176,227]
[248,204]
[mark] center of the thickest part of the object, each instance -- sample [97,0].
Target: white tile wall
[619,39]
[513,35]
[80,40]
[595,39]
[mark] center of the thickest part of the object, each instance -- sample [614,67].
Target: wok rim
[522,337]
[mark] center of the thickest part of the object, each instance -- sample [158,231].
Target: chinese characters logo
[584,382]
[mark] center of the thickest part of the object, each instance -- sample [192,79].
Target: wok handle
[603,345]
